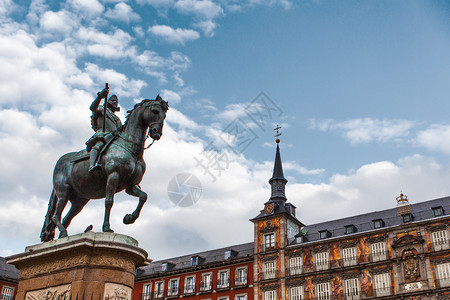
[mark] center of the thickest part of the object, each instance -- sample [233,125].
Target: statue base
[91,265]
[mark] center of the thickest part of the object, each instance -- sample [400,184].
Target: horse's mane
[164,106]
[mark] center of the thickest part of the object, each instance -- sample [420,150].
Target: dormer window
[438,211]
[407,218]
[300,238]
[194,261]
[164,267]
[323,234]
[378,223]
[229,254]
[350,229]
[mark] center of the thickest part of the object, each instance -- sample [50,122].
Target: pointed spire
[278,182]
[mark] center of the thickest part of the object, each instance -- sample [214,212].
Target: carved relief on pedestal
[61,292]
[48,266]
[117,291]
[411,265]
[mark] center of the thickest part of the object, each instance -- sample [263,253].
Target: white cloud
[286,4]
[178,35]
[171,96]
[122,12]
[436,137]
[207,27]
[57,22]
[89,8]
[367,130]
[201,8]
[113,45]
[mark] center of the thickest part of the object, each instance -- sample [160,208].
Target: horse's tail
[48,230]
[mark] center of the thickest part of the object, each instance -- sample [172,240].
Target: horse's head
[154,116]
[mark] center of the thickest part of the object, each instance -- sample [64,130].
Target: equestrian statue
[112,162]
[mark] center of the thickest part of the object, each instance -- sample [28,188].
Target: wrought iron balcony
[205,286]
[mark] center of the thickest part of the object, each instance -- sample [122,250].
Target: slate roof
[207,258]
[420,211]
[8,272]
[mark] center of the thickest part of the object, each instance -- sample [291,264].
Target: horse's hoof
[107,229]
[62,234]
[128,219]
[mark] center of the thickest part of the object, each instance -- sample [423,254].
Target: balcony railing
[239,281]
[337,263]
[189,289]
[173,292]
[222,284]
[205,286]
[353,295]
[440,245]
[268,275]
[381,292]
[349,261]
[6,297]
[443,282]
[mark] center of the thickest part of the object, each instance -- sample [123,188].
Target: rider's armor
[101,137]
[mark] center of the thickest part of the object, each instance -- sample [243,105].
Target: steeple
[278,182]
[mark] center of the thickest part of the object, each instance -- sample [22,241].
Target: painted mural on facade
[335,255]
[309,289]
[337,289]
[308,264]
[366,284]
[363,250]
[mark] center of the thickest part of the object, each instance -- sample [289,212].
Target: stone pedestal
[91,265]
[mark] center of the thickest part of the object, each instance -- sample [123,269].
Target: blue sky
[361,90]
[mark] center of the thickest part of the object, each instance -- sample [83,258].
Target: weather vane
[278,133]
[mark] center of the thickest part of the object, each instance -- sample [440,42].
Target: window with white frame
[173,287]
[321,261]
[295,265]
[352,289]
[440,240]
[269,241]
[270,295]
[296,293]
[349,256]
[443,274]
[159,289]
[146,292]
[378,251]
[206,283]
[241,297]
[241,276]
[189,284]
[382,283]
[223,298]
[269,270]
[7,293]
[223,279]
[323,291]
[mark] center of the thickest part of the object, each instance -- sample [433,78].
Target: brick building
[9,276]
[398,253]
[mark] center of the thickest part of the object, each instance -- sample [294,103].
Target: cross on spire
[278,133]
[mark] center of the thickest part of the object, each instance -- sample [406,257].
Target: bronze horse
[123,169]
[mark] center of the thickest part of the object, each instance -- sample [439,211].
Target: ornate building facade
[397,253]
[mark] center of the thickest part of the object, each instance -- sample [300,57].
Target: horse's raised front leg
[111,188]
[135,191]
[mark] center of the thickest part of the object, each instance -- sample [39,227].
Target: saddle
[83,154]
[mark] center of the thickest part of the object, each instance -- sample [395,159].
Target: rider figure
[102,135]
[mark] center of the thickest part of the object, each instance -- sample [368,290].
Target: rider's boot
[94,162]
